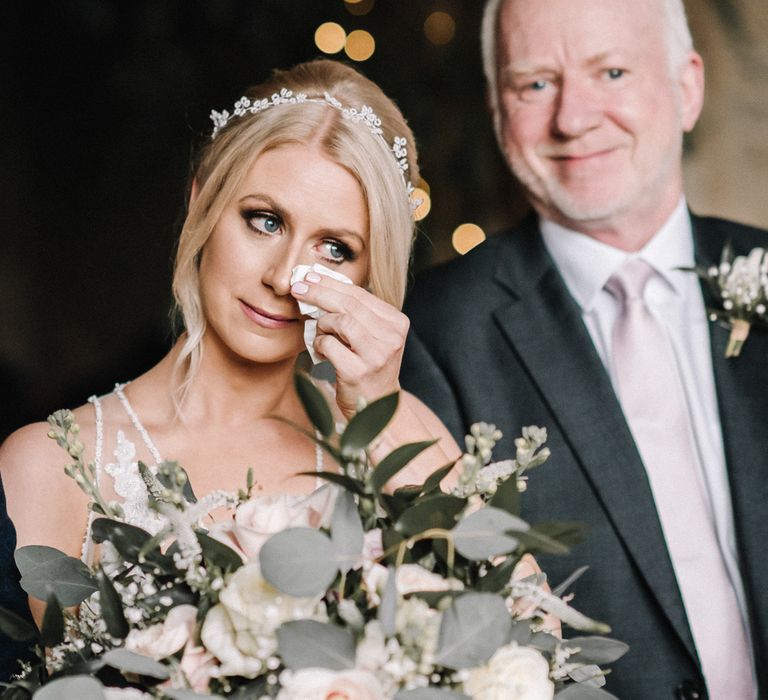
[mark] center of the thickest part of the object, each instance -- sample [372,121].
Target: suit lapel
[741,384]
[543,325]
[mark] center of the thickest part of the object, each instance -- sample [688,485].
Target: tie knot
[628,282]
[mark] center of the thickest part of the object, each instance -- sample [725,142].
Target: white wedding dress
[129,486]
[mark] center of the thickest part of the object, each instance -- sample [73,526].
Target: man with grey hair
[582,319]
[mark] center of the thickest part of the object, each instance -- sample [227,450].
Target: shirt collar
[586,264]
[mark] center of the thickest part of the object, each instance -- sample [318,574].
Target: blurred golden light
[466,237]
[358,7]
[426,203]
[330,37]
[439,28]
[360,45]
[424,185]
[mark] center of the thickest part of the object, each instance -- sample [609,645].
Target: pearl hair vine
[365,115]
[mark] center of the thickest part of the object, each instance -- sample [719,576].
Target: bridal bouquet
[354,592]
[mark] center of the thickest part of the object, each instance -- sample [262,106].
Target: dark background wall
[105,99]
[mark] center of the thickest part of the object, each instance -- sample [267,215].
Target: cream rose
[161,640]
[257,520]
[324,684]
[125,694]
[513,673]
[240,630]
[412,578]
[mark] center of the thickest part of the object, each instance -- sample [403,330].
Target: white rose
[513,673]
[324,684]
[257,520]
[125,694]
[166,638]
[240,630]
[412,578]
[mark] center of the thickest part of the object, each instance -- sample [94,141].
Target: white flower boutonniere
[739,285]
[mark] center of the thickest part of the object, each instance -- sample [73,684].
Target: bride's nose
[278,272]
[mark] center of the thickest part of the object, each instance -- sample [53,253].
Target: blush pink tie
[652,397]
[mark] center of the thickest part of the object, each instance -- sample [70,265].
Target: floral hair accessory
[740,286]
[365,115]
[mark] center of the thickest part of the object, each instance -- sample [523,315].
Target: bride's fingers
[374,343]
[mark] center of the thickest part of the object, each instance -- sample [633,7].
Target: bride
[313,168]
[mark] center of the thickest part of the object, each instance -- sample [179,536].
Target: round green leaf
[299,561]
[71,688]
[481,535]
[128,662]
[312,644]
[45,569]
[472,629]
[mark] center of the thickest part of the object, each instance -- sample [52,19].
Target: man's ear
[691,81]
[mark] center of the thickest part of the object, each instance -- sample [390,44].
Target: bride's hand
[362,336]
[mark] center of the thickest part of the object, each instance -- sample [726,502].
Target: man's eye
[615,73]
[538,85]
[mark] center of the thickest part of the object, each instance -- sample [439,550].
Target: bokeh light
[330,37]
[424,185]
[358,7]
[426,203]
[360,45]
[439,28]
[466,237]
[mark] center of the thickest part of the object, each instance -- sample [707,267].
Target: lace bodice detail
[127,481]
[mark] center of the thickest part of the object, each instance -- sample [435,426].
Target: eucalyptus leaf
[497,578]
[314,403]
[430,694]
[299,561]
[483,534]
[563,587]
[346,531]
[16,627]
[365,425]
[346,482]
[433,480]
[595,650]
[52,629]
[507,496]
[71,688]
[164,478]
[432,512]
[312,644]
[388,607]
[111,607]
[218,554]
[128,662]
[397,460]
[567,532]
[45,568]
[589,674]
[539,543]
[129,541]
[584,692]
[472,629]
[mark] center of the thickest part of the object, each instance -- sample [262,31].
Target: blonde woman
[310,169]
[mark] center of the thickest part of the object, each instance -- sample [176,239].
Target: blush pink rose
[324,684]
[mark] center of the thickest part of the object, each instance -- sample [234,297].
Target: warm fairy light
[360,45]
[466,237]
[358,7]
[439,28]
[424,185]
[426,203]
[330,37]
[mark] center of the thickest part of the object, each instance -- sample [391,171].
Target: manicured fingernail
[312,277]
[299,288]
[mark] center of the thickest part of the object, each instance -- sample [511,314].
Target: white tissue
[310,325]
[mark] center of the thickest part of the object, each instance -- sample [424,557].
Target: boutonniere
[739,286]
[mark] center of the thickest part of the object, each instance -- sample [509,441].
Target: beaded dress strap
[86,551]
[140,429]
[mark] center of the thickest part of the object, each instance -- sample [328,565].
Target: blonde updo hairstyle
[224,161]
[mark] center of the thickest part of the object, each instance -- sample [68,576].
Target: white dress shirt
[674,298]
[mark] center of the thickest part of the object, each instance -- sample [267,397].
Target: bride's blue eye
[336,252]
[263,221]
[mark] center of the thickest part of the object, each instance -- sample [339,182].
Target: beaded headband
[365,115]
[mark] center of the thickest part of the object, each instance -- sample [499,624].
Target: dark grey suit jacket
[11,595]
[496,336]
